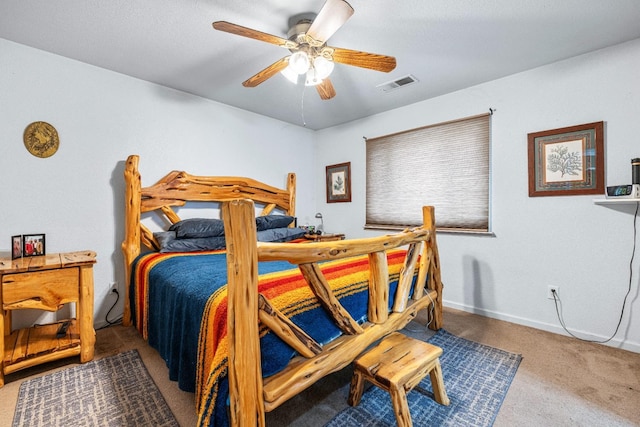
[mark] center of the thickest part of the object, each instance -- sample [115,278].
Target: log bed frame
[251,395]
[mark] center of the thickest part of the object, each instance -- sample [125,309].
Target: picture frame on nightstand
[33,245]
[16,246]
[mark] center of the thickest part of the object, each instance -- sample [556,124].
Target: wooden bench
[397,364]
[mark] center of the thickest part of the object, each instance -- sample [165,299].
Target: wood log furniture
[397,364]
[364,288]
[46,283]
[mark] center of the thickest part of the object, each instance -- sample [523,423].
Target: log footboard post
[131,243]
[435,281]
[245,374]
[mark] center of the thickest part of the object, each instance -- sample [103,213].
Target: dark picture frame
[33,245]
[16,246]
[339,183]
[567,161]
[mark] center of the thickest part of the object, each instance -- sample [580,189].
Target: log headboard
[176,189]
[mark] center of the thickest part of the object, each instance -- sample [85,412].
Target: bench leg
[437,383]
[400,405]
[355,390]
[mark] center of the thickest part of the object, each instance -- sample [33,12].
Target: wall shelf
[615,201]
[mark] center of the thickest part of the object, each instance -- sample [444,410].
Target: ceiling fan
[310,56]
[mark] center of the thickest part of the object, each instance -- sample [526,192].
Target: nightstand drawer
[42,290]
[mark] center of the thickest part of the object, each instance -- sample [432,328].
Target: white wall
[566,241]
[76,197]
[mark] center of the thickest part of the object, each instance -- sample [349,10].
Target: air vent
[398,83]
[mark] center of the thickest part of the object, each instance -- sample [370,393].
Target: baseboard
[556,329]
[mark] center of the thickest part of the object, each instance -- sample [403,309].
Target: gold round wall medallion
[41,139]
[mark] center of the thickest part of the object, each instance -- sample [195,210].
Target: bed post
[245,373]
[291,188]
[131,243]
[435,281]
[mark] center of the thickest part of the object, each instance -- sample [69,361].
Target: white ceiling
[446,44]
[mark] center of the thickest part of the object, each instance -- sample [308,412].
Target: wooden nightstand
[46,283]
[324,237]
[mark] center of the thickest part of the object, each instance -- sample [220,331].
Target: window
[445,165]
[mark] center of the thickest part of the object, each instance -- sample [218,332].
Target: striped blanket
[179,304]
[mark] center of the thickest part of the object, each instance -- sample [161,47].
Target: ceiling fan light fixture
[323,67]
[290,75]
[299,62]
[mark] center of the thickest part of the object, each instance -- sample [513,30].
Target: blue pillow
[169,243]
[164,237]
[280,234]
[267,222]
[198,228]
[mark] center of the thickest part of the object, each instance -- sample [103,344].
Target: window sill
[438,230]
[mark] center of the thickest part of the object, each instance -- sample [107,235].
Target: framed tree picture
[567,161]
[339,183]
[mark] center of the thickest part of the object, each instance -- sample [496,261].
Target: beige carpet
[560,382]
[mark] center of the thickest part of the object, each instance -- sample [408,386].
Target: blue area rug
[476,378]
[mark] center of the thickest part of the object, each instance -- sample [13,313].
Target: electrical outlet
[551,290]
[113,286]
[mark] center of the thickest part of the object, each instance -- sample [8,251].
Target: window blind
[445,165]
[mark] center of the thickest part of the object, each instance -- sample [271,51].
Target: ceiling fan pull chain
[304,122]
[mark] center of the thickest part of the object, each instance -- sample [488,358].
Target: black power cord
[106,317]
[556,298]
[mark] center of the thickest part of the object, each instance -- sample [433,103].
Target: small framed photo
[16,246]
[567,161]
[339,183]
[33,245]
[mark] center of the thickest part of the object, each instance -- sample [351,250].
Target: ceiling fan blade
[239,30]
[356,58]
[325,89]
[267,73]
[332,16]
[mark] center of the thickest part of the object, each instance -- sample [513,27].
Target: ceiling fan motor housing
[297,33]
